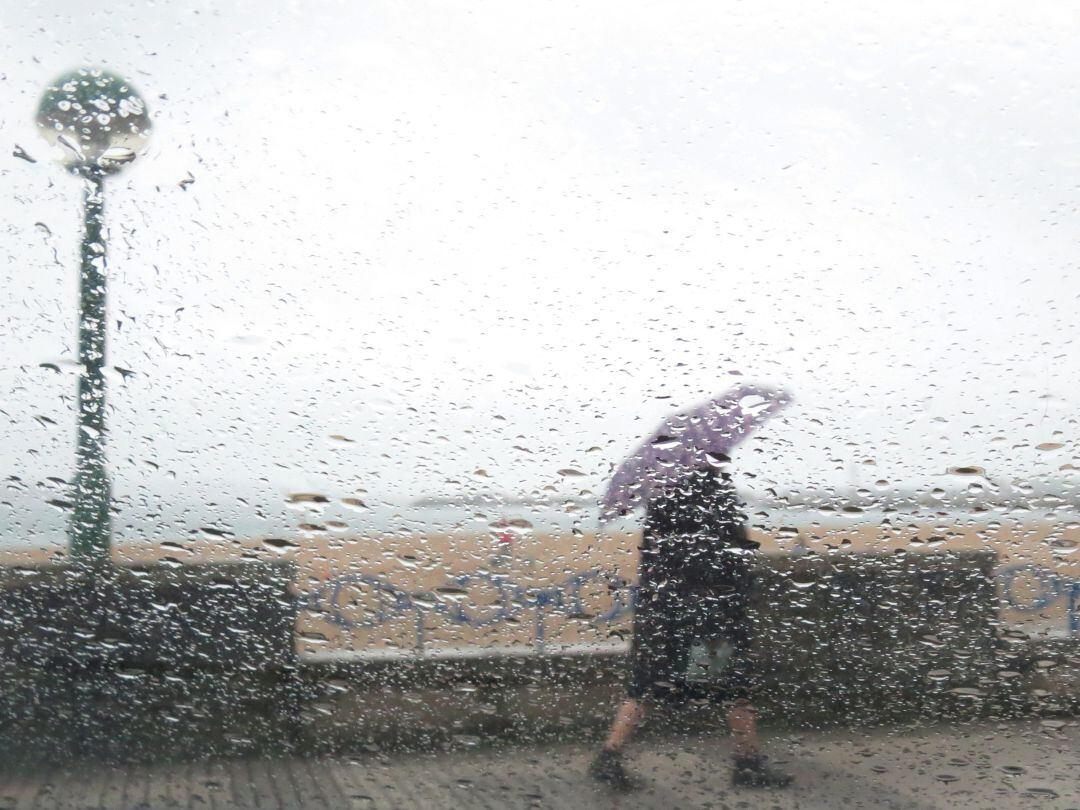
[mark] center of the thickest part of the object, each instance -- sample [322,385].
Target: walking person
[693,583]
[694,580]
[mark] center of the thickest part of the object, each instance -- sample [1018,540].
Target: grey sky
[540,227]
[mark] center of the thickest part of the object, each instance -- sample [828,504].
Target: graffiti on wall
[1024,588]
[1030,588]
[575,596]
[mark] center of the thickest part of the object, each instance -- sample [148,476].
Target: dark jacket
[695,536]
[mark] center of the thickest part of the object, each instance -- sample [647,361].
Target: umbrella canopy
[705,434]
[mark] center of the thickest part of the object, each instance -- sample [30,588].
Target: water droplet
[306,501]
[716,460]
[969,470]
[967,691]
[71,146]
[1041,793]
[280,545]
[117,154]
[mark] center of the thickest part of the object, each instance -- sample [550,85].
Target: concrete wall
[514,590]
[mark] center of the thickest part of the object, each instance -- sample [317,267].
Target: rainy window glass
[482,405]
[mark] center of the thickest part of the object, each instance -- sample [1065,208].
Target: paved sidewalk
[1021,765]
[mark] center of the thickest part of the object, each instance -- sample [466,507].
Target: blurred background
[445,252]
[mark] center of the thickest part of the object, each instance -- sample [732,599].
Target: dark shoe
[608,768]
[755,771]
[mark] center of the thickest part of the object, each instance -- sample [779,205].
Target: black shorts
[667,622]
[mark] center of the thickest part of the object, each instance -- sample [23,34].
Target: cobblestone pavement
[1022,765]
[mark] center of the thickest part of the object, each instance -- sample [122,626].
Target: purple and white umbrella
[702,435]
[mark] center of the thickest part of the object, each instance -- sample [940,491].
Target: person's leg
[608,766]
[646,654]
[626,720]
[742,720]
[751,767]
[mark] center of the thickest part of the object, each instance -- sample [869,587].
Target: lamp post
[98,122]
[69,632]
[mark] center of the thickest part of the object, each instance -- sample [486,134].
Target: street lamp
[98,123]
[70,631]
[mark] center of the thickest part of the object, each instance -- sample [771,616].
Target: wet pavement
[984,765]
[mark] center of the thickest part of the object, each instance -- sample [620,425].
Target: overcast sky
[486,242]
